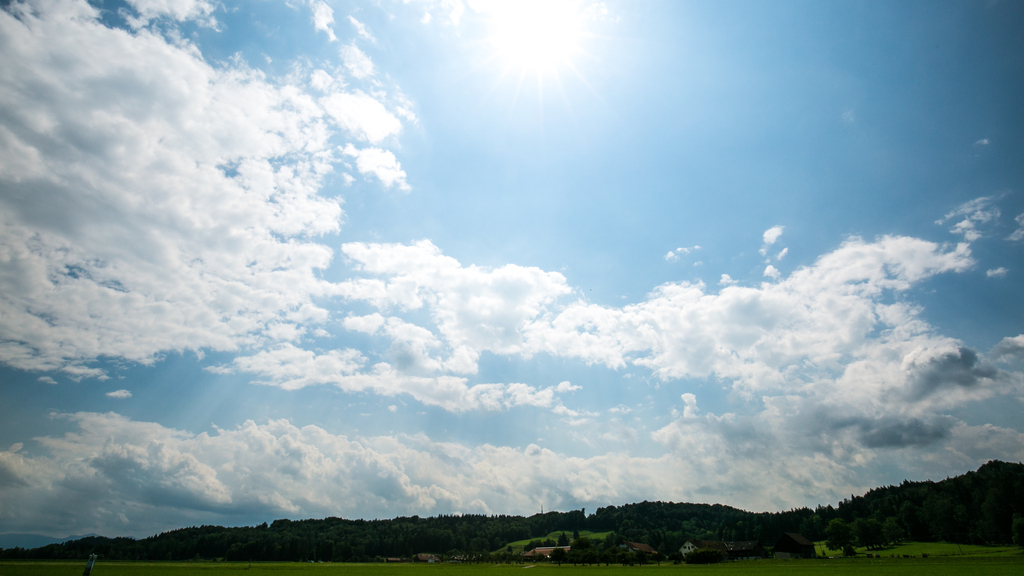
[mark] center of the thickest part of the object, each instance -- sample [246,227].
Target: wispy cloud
[977,214]
[362,30]
[356,61]
[323,18]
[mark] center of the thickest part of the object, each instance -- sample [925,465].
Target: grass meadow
[932,566]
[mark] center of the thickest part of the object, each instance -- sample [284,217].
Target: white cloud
[771,236]
[160,478]
[119,394]
[362,115]
[473,307]
[772,272]
[757,336]
[323,18]
[356,61]
[361,29]
[726,280]
[982,142]
[46,380]
[292,368]
[380,163]
[1017,234]
[320,80]
[979,211]
[782,254]
[128,231]
[996,272]
[674,255]
[180,10]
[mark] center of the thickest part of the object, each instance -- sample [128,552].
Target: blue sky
[367,259]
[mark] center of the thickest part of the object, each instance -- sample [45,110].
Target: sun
[538,36]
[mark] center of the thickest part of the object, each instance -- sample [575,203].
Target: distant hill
[11,540]
[977,507]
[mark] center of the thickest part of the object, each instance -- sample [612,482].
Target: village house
[793,545]
[638,547]
[543,551]
[738,550]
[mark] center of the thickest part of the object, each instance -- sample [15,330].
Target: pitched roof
[641,547]
[545,550]
[799,539]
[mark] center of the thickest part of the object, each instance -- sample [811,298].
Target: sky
[297,259]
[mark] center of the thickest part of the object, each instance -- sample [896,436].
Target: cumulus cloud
[1009,348]
[160,478]
[770,236]
[473,307]
[156,203]
[121,394]
[411,370]
[380,163]
[757,336]
[996,272]
[674,255]
[362,115]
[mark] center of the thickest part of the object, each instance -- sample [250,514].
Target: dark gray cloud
[891,433]
[960,369]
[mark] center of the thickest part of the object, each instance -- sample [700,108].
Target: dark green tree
[892,532]
[838,535]
[867,532]
[559,555]
[1018,530]
[563,540]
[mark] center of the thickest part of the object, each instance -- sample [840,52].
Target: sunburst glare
[538,36]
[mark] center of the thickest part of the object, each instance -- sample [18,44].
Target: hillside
[975,508]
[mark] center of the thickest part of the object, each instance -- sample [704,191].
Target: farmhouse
[738,550]
[793,545]
[544,551]
[638,547]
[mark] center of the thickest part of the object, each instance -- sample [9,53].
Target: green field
[996,565]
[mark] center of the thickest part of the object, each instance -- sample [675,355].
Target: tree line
[981,507]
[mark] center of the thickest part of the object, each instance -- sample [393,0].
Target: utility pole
[89,565]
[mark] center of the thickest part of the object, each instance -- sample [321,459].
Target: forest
[981,507]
